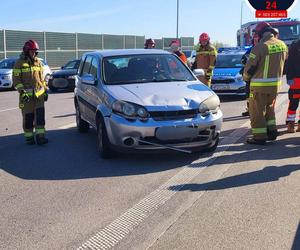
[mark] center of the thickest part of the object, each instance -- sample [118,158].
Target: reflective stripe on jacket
[28,75]
[206,59]
[266,62]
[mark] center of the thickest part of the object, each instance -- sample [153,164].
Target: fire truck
[289,30]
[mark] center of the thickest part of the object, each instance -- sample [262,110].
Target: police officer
[205,58]
[293,80]
[264,70]
[29,82]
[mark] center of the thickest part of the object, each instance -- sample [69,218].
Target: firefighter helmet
[204,37]
[262,27]
[149,43]
[30,45]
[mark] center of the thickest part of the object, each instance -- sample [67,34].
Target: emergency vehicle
[289,30]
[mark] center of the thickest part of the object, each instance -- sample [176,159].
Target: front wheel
[103,141]
[213,147]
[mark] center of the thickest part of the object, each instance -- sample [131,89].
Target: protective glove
[207,77]
[25,96]
[290,82]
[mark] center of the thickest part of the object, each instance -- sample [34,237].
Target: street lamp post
[242,4]
[177,19]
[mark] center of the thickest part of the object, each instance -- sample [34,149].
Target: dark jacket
[293,61]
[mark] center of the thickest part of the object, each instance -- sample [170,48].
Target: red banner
[271,14]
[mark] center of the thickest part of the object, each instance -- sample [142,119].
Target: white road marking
[71,125]
[4,110]
[112,234]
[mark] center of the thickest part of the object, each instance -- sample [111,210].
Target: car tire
[82,125]
[213,147]
[104,148]
[53,90]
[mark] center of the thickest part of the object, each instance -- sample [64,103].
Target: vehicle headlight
[130,110]
[211,104]
[72,77]
[239,78]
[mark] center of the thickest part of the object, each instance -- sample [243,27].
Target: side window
[86,66]
[94,68]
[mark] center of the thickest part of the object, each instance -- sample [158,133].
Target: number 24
[271,5]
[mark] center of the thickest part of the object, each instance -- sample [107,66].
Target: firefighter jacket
[293,61]
[28,76]
[206,59]
[181,55]
[265,65]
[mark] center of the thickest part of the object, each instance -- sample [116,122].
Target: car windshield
[229,61]
[144,68]
[72,65]
[7,64]
[289,32]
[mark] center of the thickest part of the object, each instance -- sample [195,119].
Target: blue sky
[152,18]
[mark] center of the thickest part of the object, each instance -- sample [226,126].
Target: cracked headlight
[211,104]
[130,110]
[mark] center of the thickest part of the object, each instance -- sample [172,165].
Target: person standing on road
[149,44]
[175,48]
[205,58]
[293,80]
[29,82]
[264,70]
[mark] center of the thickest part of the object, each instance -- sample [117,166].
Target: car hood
[65,72]
[221,72]
[5,71]
[183,95]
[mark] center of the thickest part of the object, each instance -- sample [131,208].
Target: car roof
[232,53]
[126,52]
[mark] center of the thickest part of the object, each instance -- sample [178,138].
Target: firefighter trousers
[33,114]
[262,114]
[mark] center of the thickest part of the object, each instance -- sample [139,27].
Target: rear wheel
[82,125]
[102,140]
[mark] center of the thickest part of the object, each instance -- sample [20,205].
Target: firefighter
[29,82]
[205,58]
[149,44]
[175,45]
[264,70]
[293,80]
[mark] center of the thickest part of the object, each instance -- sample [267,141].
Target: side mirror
[62,67]
[89,79]
[199,72]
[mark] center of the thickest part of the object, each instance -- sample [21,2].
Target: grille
[173,115]
[221,81]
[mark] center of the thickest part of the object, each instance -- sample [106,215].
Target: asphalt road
[64,196]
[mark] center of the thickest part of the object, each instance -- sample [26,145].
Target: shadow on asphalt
[296,244]
[71,155]
[268,174]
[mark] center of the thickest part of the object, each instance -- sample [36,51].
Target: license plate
[220,87]
[176,133]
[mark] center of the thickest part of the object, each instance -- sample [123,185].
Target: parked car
[64,78]
[227,78]
[191,56]
[145,100]
[6,68]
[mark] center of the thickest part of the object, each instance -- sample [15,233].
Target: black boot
[30,140]
[272,135]
[246,113]
[256,141]
[41,139]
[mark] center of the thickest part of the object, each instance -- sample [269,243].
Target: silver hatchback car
[145,100]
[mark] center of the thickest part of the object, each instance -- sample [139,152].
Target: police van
[227,76]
